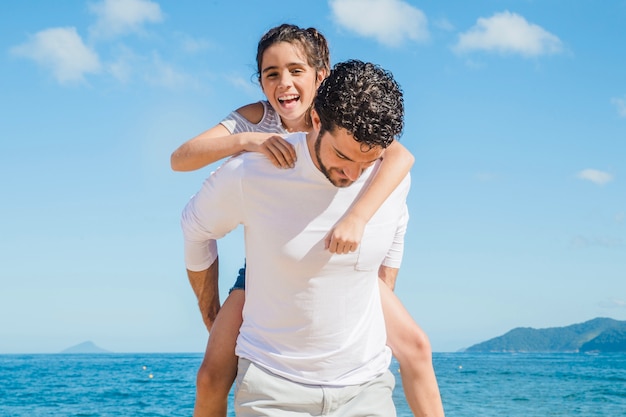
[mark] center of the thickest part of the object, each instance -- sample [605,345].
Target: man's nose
[352,171]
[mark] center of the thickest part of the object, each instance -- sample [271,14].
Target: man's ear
[315,120]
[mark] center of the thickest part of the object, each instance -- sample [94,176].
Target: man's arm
[214,211]
[205,286]
[388,275]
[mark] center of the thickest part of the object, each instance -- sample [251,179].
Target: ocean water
[163,385]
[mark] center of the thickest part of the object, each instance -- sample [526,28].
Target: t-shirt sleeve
[211,213]
[393,259]
[236,123]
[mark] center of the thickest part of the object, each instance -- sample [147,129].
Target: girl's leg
[411,348]
[219,366]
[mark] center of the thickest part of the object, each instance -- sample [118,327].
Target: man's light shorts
[261,393]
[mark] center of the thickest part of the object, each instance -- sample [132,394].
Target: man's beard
[343,182]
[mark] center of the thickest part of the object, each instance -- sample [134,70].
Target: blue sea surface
[511,385]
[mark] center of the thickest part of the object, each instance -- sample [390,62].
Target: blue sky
[515,112]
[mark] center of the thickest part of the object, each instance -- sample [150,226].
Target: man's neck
[311,137]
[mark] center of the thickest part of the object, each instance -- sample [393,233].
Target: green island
[600,335]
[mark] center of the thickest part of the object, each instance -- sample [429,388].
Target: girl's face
[288,82]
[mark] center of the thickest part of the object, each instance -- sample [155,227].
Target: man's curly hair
[365,100]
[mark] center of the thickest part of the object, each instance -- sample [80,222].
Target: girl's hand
[280,152]
[345,236]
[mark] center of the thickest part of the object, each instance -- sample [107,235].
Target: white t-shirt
[310,316]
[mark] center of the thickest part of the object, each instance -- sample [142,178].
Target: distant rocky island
[85,347]
[600,335]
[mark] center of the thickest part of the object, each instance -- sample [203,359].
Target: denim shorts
[240,282]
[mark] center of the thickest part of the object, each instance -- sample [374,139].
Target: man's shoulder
[296,138]
[257,160]
[254,166]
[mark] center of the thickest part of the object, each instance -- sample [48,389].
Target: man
[313,337]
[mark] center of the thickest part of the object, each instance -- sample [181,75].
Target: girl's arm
[346,235]
[218,143]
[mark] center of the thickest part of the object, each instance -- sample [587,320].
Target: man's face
[341,158]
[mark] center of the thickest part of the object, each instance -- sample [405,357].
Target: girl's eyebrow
[291,64]
[268,69]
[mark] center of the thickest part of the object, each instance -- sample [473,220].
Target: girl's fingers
[282,151]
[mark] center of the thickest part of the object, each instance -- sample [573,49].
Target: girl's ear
[321,74]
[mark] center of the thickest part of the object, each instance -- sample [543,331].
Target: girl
[291,64]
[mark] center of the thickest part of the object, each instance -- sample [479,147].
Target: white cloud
[390,22]
[120,70]
[475,65]
[124,65]
[245,85]
[595,176]
[444,24]
[508,33]
[62,51]
[486,176]
[620,105]
[194,45]
[581,242]
[612,303]
[119,17]
[165,75]
[128,66]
